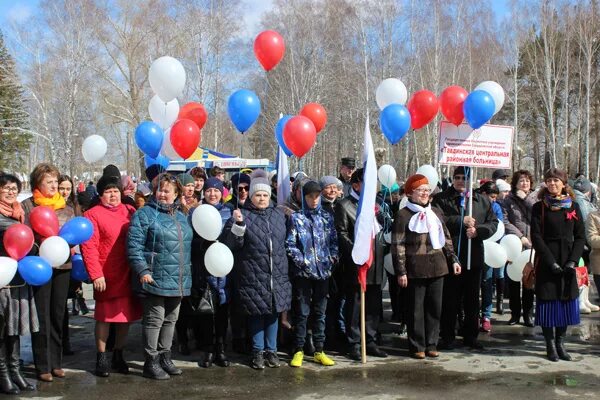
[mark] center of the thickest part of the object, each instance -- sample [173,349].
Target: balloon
[93,148]
[35,270]
[18,241]
[149,138]
[8,269]
[79,272]
[387,175]
[207,222]
[299,135]
[77,230]
[167,78]
[164,114]
[279,133]
[423,107]
[185,137]
[218,260]
[269,48]
[194,112]
[494,90]
[513,246]
[391,91]
[55,250]
[431,174]
[394,122]
[160,160]
[494,254]
[514,270]
[478,108]
[316,113]
[451,102]
[243,108]
[43,220]
[498,234]
[167,148]
[388,265]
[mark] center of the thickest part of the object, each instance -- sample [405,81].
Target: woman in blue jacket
[159,252]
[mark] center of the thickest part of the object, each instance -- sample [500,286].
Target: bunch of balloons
[477,107]
[207,223]
[296,135]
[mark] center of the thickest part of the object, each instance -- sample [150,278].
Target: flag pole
[472,175]
[363,328]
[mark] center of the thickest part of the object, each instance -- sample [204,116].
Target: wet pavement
[513,365]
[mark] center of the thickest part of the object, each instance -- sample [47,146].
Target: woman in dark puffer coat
[256,234]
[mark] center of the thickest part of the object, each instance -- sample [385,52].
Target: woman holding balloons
[18,314]
[105,259]
[45,211]
[159,251]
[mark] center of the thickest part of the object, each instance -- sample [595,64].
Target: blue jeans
[263,329]
[309,298]
[487,288]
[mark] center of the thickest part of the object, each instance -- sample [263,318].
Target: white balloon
[55,250]
[164,114]
[207,222]
[218,260]
[167,148]
[494,254]
[391,91]
[167,78]
[513,246]
[431,174]
[498,234]
[523,259]
[94,148]
[496,91]
[388,264]
[8,269]
[387,175]
[514,273]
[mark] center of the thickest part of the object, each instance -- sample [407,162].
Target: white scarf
[426,221]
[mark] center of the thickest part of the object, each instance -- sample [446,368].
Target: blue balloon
[79,272]
[479,108]
[279,133]
[35,270]
[243,108]
[149,138]
[77,230]
[394,122]
[160,160]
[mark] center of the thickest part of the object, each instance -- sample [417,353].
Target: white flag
[283,177]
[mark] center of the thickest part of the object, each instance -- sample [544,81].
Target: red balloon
[451,102]
[185,137]
[18,240]
[269,49]
[194,112]
[423,107]
[316,113]
[43,220]
[299,135]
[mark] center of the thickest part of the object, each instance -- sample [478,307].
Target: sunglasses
[242,188]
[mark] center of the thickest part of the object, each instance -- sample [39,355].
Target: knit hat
[556,173]
[414,182]
[111,170]
[108,182]
[185,179]
[582,184]
[328,180]
[153,171]
[236,179]
[311,187]
[502,185]
[259,182]
[213,183]
[500,174]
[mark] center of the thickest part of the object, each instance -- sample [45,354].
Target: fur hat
[108,182]
[414,182]
[502,185]
[259,182]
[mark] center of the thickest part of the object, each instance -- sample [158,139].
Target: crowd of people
[294,282]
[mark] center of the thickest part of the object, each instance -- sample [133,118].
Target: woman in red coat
[106,261]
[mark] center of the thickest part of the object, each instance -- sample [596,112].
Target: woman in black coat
[558,236]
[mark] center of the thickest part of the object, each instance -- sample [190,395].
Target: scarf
[426,221]
[557,202]
[14,211]
[55,202]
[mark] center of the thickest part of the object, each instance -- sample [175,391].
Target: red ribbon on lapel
[572,215]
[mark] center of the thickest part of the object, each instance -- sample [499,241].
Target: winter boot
[13,353]
[153,370]
[102,365]
[583,308]
[167,364]
[561,332]
[118,362]
[589,304]
[550,346]
[207,360]
[220,358]
[6,384]
[81,302]
[500,296]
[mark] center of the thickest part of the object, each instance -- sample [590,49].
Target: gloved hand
[569,266]
[556,269]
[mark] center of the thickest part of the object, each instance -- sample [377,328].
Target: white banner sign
[487,147]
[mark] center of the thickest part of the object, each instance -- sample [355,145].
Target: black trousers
[213,327]
[425,310]
[309,298]
[372,314]
[516,299]
[51,303]
[456,287]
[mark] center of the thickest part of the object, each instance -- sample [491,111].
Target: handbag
[528,278]
[202,304]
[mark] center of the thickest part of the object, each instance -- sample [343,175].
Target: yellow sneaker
[322,359]
[297,359]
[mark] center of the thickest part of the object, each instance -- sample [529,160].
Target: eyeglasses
[10,189]
[242,188]
[459,177]
[422,191]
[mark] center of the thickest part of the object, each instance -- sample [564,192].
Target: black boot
[6,385]
[13,353]
[561,332]
[207,360]
[118,362]
[167,364]
[220,357]
[102,365]
[153,370]
[81,302]
[500,296]
[309,347]
[550,346]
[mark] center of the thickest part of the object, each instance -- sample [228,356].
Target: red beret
[414,182]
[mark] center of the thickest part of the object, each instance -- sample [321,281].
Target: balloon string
[262,134]
[240,171]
